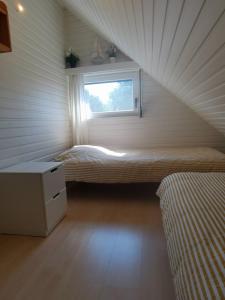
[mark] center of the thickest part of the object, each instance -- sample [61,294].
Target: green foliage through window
[115,96]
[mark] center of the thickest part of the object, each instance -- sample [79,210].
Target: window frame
[104,77]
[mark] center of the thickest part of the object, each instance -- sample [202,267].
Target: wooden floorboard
[110,246]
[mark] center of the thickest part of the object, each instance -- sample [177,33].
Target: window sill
[115,114]
[110,68]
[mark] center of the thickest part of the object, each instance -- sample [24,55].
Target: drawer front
[56,209]
[53,182]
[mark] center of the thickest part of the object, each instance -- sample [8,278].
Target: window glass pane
[115,96]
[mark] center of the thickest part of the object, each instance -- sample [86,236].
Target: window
[115,94]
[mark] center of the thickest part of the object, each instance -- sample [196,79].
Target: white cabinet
[32,198]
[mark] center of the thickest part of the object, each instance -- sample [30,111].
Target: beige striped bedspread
[193,211]
[101,165]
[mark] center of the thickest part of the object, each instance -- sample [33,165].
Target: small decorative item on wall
[5,42]
[112,53]
[97,57]
[71,59]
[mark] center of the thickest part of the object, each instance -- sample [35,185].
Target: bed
[96,164]
[193,212]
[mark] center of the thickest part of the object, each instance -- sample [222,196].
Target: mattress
[193,212]
[101,165]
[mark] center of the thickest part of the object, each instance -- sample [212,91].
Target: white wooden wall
[33,103]
[181,43]
[167,121]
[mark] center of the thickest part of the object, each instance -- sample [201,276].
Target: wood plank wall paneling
[166,122]
[181,43]
[33,102]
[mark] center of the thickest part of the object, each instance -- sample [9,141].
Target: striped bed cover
[101,165]
[193,211]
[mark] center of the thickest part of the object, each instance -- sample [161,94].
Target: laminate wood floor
[110,246]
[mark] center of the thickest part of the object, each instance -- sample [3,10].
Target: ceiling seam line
[172,42]
[205,39]
[188,37]
[163,33]
[204,65]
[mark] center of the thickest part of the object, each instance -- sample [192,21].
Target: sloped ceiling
[180,43]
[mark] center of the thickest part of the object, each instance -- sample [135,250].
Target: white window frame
[108,76]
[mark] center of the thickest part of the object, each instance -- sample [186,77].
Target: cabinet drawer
[53,182]
[56,209]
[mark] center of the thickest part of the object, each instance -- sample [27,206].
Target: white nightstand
[32,198]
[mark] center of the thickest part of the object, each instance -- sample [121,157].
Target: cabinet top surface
[32,167]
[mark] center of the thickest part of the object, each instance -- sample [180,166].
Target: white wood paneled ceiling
[180,43]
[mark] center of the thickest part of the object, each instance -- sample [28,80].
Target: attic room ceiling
[180,43]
